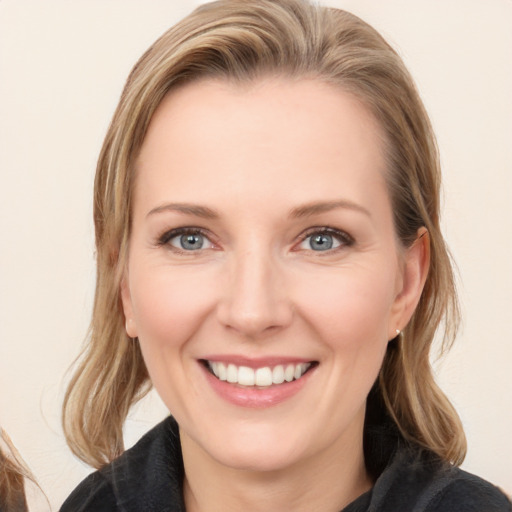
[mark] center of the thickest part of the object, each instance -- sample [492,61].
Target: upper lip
[255,362]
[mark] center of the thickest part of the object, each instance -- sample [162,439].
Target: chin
[253,449]
[256,459]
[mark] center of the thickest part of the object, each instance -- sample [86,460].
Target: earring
[397,336]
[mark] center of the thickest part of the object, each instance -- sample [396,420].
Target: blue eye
[186,240]
[323,240]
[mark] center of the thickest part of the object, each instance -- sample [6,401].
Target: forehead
[274,135]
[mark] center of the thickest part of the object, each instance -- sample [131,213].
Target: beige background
[62,66]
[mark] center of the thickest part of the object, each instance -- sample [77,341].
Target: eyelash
[344,238]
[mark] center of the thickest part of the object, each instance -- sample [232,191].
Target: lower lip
[254,397]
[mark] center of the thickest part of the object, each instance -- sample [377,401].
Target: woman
[270,259]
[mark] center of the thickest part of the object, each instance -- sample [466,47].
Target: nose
[255,302]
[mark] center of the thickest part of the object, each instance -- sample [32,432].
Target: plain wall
[62,67]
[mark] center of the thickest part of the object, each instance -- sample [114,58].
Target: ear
[414,274]
[126,299]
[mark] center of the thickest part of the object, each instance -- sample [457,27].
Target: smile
[261,377]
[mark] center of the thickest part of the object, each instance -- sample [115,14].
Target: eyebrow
[316,208]
[306,210]
[186,209]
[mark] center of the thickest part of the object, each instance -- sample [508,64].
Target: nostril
[254,317]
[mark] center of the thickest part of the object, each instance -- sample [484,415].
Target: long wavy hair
[241,41]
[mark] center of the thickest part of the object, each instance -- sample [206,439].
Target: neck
[325,482]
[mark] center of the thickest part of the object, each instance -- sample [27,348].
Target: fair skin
[263,238]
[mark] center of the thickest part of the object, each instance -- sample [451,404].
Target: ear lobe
[130,326]
[415,271]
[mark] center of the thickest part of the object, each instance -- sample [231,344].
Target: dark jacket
[149,477]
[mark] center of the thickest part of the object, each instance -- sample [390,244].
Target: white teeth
[278,374]
[232,373]
[245,376]
[289,373]
[264,376]
[222,372]
[261,377]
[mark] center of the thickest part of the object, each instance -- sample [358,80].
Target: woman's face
[264,277]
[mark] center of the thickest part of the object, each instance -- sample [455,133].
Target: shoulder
[93,493]
[463,491]
[149,471]
[418,480]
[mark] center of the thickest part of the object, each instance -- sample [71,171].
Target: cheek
[169,303]
[351,306]
[349,312]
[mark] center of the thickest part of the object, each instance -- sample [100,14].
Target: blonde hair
[13,473]
[241,40]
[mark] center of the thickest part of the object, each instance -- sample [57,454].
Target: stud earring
[398,332]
